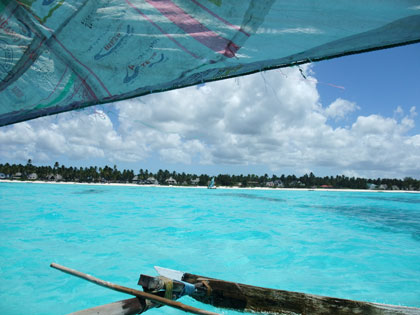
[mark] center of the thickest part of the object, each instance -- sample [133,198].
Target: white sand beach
[205,187]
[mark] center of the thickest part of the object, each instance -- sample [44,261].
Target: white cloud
[274,119]
[413,112]
[77,136]
[374,125]
[340,108]
[398,112]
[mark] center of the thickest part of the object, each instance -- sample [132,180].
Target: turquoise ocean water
[356,245]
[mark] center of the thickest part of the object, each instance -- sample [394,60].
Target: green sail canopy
[57,56]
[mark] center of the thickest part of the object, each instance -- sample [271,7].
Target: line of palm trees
[112,174]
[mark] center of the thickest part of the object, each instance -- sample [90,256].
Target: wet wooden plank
[249,298]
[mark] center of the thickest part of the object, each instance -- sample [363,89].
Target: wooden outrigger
[172,284]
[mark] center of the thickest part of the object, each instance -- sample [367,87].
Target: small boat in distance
[211,185]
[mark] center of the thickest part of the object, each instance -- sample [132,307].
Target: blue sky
[378,81]
[355,115]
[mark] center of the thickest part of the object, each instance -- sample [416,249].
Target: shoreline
[205,187]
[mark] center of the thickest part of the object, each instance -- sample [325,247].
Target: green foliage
[94,174]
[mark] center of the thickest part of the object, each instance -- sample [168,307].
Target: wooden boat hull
[173,284]
[247,298]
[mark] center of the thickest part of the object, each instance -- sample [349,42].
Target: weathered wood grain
[249,298]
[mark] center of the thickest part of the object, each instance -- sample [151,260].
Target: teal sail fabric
[57,56]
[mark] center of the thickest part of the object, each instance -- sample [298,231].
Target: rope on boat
[208,287]
[169,286]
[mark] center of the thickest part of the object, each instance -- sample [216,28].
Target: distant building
[2,176]
[395,187]
[171,181]
[412,188]
[383,187]
[293,183]
[151,181]
[195,181]
[17,175]
[54,177]
[371,186]
[33,176]
[270,184]
[136,180]
[279,183]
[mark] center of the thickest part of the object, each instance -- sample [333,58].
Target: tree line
[107,174]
